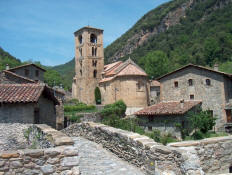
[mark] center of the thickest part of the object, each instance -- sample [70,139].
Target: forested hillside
[203,36]
[52,77]
[166,38]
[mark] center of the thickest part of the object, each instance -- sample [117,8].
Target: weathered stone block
[34,153]
[8,155]
[16,164]
[70,161]
[48,169]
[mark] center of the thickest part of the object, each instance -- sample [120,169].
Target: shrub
[97,94]
[167,138]
[76,118]
[79,108]
[197,135]
[202,121]
[118,108]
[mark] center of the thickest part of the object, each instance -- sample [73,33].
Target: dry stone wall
[213,155]
[134,148]
[61,158]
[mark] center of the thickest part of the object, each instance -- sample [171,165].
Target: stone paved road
[95,160]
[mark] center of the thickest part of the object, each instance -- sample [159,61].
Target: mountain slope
[66,71]
[201,34]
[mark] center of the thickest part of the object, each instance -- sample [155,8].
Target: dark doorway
[36,116]
[230,169]
[229,116]
[65,122]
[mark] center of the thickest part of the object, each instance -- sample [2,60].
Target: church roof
[122,69]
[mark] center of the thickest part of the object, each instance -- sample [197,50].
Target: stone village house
[192,85]
[27,100]
[119,80]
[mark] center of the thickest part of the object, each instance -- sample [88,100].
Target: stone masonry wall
[61,159]
[134,148]
[213,155]
[210,156]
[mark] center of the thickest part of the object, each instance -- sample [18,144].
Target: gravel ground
[11,136]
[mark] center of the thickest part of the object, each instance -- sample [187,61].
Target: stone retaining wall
[214,154]
[62,158]
[134,148]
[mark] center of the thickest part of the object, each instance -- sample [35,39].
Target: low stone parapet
[59,156]
[137,149]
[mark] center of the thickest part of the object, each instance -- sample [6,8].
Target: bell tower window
[93,38]
[95,73]
[80,39]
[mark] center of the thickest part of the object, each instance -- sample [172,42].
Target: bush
[97,94]
[202,121]
[197,135]
[76,118]
[79,108]
[167,138]
[118,108]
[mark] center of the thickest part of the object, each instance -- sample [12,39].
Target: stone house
[8,77]
[31,71]
[165,115]
[196,83]
[28,103]
[117,81]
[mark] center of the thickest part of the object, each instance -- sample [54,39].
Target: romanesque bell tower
[89,63]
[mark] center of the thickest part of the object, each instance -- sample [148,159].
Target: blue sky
[42,30]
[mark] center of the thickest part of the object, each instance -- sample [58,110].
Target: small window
[80,50]
[92,51]
[149,128]
[93,38]
[208,82]
[230,169]
[81,72]
[80,39]
[139,86]
[191,97]
[37,73]
[26,72]
[95,73]
[81,63]
[158,93]
[95,52]
[190,82]
[176,84]
[94,63]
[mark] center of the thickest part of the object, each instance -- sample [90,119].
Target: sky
[42,30]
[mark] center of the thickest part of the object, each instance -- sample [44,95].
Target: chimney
[215,67]
[7,67]
[182,103]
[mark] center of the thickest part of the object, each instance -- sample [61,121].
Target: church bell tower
[89,63]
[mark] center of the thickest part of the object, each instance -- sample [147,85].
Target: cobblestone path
[95,160]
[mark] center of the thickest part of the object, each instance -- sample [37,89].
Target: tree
[97,94]
[202,121]
[156,63]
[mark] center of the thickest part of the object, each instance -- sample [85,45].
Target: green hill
[201,35]
[67,72]
[6,58]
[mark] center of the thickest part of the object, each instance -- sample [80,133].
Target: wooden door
[228,116]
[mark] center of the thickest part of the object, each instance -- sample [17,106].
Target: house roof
[25,65]
[168,108]
[122,69]
[155,83]
[195,66]
[24,93]
[18,76]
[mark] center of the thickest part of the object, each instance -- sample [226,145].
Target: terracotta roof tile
[24,93]
[25,65]
[131,70]
[168,108]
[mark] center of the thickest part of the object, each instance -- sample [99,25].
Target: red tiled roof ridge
[168,108]
[19,76]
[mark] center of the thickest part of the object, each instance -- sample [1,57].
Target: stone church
[117,81]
